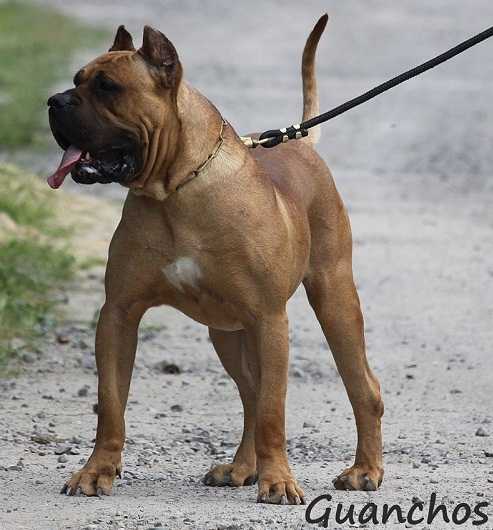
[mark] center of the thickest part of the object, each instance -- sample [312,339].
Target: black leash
[277,136]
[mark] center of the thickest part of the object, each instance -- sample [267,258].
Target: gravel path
[414,168]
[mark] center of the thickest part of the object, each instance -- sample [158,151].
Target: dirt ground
[414,168]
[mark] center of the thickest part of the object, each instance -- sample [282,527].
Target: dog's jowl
[223,233]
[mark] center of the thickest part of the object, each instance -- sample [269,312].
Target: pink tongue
[70,157]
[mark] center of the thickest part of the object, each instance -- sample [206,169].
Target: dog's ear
[123,41]
[159,52]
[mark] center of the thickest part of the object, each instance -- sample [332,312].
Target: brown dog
[223,233]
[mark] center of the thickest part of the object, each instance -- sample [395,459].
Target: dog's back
[295,168]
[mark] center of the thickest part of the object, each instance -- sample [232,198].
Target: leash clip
[275,137]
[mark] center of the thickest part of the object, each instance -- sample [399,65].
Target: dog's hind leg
[231,347]
[332,294]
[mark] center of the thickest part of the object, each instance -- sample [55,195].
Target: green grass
[37,45]
[32,260]
[28,272]
[25,204]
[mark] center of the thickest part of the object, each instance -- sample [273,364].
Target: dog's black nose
[63,99]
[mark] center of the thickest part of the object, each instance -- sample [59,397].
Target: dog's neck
[200,129]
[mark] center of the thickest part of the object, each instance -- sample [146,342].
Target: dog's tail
[311,105]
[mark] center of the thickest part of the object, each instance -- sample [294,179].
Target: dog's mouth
[116,163]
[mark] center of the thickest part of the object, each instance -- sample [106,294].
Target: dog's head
[123,103]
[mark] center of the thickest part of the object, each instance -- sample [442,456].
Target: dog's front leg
[116,342]
[276,482]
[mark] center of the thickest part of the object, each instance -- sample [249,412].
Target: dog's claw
[251,480]
[224,475]
[284,499]
[359,477]
[342,483]
[369,484]
[262,499]
[210,480]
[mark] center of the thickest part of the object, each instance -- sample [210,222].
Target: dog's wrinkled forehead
[113,71]
[155,63]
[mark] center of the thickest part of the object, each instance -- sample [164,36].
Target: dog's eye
[105,84]
[78,78]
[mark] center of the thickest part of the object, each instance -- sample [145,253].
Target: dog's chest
[192,293]
[183,273]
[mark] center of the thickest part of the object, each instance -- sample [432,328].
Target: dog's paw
[283,491]
[235,475]
[94,479]
[359,477]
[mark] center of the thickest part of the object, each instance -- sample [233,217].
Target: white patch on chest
[183,271]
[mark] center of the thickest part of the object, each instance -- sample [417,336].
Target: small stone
[298,372]
[88,361]
[81,344]
[62,339]
[176,408]
[43,439]
[167,368]
[62,459]
[488,454]
[417,500]
[82,392]
[481,432]
[17,344]
[28,358]
[63,449]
